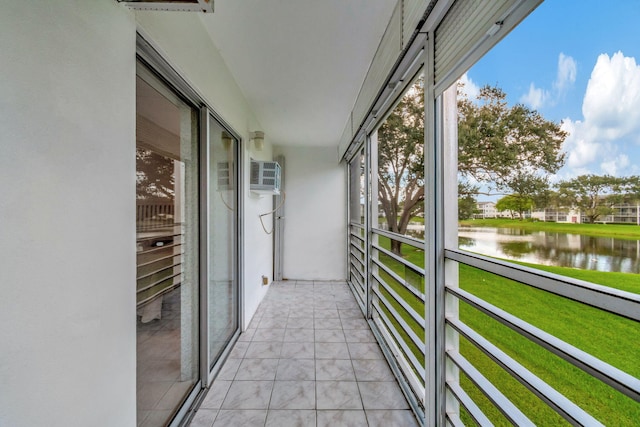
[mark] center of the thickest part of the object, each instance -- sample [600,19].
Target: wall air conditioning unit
[205,6]
[265,177]
[225,176]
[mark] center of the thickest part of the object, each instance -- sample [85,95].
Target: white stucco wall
[67,214]
[185,43]
[315,214]
[67,202]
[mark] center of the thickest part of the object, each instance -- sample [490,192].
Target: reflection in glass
[167,250]
[223,284]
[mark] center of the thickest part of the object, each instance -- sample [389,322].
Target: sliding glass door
[187,204]
[167,235]
[222,248]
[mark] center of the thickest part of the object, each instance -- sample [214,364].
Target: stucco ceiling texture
[299,63]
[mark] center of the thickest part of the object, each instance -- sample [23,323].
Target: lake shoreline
[618,231]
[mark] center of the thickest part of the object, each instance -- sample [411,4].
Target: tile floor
[307,359]
[159,388]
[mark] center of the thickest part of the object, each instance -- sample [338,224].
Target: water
[548,248]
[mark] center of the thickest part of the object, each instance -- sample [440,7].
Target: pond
[551,248]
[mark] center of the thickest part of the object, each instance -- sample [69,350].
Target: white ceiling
[299,63]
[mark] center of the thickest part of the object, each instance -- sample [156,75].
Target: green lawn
[620,231]
[611,338]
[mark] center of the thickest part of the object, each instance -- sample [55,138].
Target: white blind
[464,26]
[412,12]
[469,29]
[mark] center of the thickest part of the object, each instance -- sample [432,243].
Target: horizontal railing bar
[358,296]
[156,295]
[416,243]
[419,342]
[476,413]
[360,248]
[160,259]
[504,405]
[411,385]
[359,279]
[557,401]
[455,421]
[609,299]
[406,351]
[608,374]
[418,318]
[159,236]
[357,225]
[411,265]
[159,248]
[156,283]
[359,269]
[361,238]
[144,276]
[357,257]
[399,279]
[357,244]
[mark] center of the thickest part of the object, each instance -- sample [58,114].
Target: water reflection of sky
[560,249]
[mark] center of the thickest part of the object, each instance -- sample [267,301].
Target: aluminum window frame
[148,54]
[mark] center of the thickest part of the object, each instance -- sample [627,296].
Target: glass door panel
[222,212]
[167,228]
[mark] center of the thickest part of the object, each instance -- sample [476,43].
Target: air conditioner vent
[265,177]
[225,176]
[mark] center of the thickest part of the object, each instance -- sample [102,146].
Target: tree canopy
[508,149]
[595,195]
[401,162]
[515,203]
[154,176]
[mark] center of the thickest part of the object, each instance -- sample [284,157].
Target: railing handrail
[612,300]
[593,366]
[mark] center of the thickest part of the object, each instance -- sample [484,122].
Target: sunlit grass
[608,337]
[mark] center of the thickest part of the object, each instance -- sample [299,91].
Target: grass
[606,336]
[620,231]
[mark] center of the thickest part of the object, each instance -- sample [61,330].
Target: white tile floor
[307,359]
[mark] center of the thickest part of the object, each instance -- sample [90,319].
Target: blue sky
[576,62]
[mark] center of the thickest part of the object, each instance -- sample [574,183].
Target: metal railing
[603,298]
[159,264]
[394,283]
[398,304]
[154,214]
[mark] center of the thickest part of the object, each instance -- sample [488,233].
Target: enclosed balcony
[274,213]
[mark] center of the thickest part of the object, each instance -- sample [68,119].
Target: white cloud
[469,88]
[567,71]
[581,149]
[611,110]
[565,78]
[613,166]
[612,100]
[536,97]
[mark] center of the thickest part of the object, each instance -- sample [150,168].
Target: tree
[515,203]
[466,207]
[592,194]
[154,176]
[401,162]
[509,149]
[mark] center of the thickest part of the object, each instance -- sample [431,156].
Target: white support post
[449,123]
